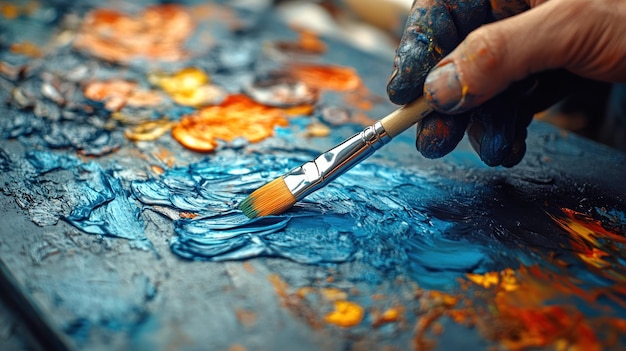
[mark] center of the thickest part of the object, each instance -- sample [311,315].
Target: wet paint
[539,306]
[327,77]
[307,43]
[438,134]
[237,117]
[189,87]
[149,130]
[346,314]
[281,89]
[432,252]
[337,225]
[12,11]
[26,49]
[115,94]
[157,33]
[103,206]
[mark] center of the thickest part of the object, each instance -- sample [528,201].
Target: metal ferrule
[314,174]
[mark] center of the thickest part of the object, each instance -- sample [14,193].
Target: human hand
[489,79]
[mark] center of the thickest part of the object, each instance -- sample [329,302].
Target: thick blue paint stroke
[45,161]
[371,214]
[104,207]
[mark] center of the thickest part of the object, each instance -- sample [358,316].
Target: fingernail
[443,88]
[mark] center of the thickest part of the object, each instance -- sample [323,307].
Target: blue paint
[104,207]
[45,161]
[5,160]
[370,215]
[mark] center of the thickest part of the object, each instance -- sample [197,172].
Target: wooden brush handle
[401,119]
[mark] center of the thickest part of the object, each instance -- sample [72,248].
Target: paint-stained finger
[433,29]
[439,134]
[497,129]
[493,130]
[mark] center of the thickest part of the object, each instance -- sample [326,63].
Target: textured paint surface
[236,117]
[130,240]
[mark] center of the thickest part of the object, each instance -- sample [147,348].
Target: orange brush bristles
[271,199]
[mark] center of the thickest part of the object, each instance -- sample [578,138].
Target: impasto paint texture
[130,133]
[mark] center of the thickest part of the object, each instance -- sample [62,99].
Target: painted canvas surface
[131,131]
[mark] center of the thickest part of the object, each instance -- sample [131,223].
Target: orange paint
[346,314]
[307,43]
[9,11]
[117,93]
[157,33]
[390,315]
[294,302]
[518,316]
[246,317]
[188,215]
[26,48]
[157,169]
[164,156]
[238,116]
[327,77]
[301,110]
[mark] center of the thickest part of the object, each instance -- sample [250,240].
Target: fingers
[432,30]
[583,36]
[489,59]
[497,129]
[439,134]
[497,132]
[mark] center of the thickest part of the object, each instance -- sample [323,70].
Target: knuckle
[485,49]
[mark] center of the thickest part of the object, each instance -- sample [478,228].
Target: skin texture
[483,65]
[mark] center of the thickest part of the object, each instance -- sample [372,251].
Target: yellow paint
[485,280]
[333,294]
[301,110]
[184,80]
[317,130]
[504,279]
[443,299]
[390,315]
[150,130]
[189,87]
[346,314]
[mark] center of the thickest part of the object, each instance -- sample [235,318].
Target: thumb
[554,34]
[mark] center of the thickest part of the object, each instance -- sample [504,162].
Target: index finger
[433,29]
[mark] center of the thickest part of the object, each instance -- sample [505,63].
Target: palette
[123,165]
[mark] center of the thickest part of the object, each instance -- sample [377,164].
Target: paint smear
[149,130]
[157,33]
[117,93]
[535,306]
[189,87]
[327,77]
[103,206]
[346,314]
[27,49]
[368,213]
[12,11]
[307,43]
[237,117]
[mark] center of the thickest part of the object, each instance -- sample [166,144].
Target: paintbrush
[283,192]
